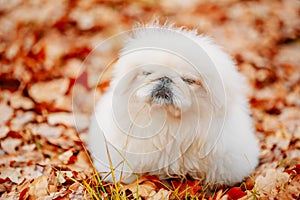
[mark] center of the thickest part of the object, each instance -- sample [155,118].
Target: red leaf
[103,86]
[249,184]
[23,194]
[176,184]
[72,159]
[191,186]
[194,187]
[297,168]
[156,181]
[293,171]
[235,193]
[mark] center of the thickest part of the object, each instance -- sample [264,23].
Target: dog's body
[176,106]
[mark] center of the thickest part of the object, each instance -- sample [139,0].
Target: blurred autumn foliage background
[42,47]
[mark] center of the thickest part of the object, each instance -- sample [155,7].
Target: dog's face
[160,78]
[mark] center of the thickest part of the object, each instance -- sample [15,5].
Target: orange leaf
[249,184]
[297,168]
[194,187]
[104,85]
[23,194]
[235,193]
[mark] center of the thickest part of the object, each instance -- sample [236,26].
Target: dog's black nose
[165,80]
[162,92]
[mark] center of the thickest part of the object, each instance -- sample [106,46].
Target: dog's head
[160,78]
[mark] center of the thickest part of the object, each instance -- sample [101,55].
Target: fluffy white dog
[176,106]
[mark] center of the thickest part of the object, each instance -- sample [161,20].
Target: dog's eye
[189,81]
[146,73]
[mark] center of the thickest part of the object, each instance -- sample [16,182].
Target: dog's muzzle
[162,93]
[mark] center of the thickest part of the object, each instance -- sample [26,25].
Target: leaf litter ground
[42,46]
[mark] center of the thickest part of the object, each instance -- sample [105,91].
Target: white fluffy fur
[206,132]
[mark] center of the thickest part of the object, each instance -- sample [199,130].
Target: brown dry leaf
[21,118]
[32,171]
[19,174]
[22,157]
[270,123]
[13,174]
[281,139]
[63,103]
[82,163]
[290,117]
[28,147]
[72,68]
[13,49]
[18,101]
[161,194]
[143,186]
[94,17]
[279,142]
[60,176]
[38,189]
[220,195]
[3,131]
[71,134]
[78,121]
[62,142]
[65,157]
[270,181]
[77,191]
[49,91]
[46,130]
[48,12]
[291,190]
[9,144]
[4,96]
[6,113]
[55,46]
[61,195]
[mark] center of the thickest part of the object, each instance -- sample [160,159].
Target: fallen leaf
[191,187]
[3,131]
[46,130]
[63,103]
[161,194]
[9,144]
[49,91]
[72,68]
[21,118]
[38,188]
[13,174]
[82,163]
[65,157]
[22,157]
[77,191]
[235,193]
[18,101]
[143,187]
[270,180]
[6,113]
[78,121]
[249,184]
[60,176]
[62,142]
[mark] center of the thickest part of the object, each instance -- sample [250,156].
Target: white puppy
[176,106]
